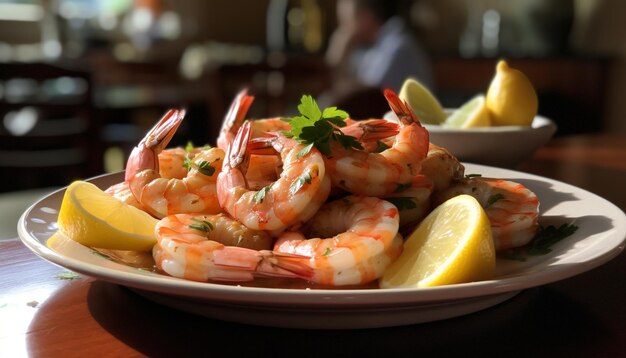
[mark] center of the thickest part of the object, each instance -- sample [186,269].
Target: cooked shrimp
[356,238]
[371,132]
[262,126]
[413,202]
[172,161]
[511,208]
[121,191]
[236,116]
[293,198]
[194,247]
[195,193]
[443,168]
[171,165]
[378,174]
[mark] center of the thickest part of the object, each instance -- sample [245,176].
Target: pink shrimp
[194,247]
[355,240]
[442,168]
[412,201]
[172,161]
[371,133]
[379,174]
[195,193]
[512,209]
[293,198]
[171,165]
[121,191]
[236,116]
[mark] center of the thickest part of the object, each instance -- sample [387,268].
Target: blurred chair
[49,134]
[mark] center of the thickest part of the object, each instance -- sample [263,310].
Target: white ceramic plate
[600,237]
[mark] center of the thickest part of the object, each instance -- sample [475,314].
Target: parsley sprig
[542,243]
[317,128]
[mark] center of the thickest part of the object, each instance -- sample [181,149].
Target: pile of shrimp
[256,206]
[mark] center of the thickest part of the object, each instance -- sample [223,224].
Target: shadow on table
[538,322]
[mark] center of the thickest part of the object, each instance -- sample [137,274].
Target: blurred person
[373,48]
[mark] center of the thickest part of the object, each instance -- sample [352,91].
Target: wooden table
[42,314]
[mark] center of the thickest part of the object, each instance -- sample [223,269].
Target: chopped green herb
[205,168]
[187,163]
[402,203]
[260,195]
[201,225]
[470,176]
[327,252]
[542,243]
[67,275]
[318,128]
[190,146]
[299,183]
[381,146]
[549,236]
[304,151]
[493,199]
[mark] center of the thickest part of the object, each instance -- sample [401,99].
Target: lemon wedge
[452,245]
[511,97]
[422,102]
[472,114]
[95,219]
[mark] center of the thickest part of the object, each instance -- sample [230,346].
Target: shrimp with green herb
[512,209]
[159,196]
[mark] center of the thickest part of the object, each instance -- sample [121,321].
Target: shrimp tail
[266,145]
[371,130]
[145,154]
[278,264]
[400,108]
[234,118]
[263,263]
[236,151]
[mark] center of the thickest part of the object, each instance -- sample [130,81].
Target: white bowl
[503,146]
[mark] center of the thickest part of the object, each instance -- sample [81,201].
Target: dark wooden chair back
[49,135]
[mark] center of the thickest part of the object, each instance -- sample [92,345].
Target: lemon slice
[472,114]
[452,245]
[511,97]
[422,102]
[95,219]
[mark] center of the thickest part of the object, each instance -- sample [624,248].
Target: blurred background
[81,81]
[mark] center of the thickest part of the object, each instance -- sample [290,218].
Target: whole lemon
[511,98]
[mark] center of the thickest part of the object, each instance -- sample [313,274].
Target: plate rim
[331,297]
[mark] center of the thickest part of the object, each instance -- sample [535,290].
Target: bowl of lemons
[500,128]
